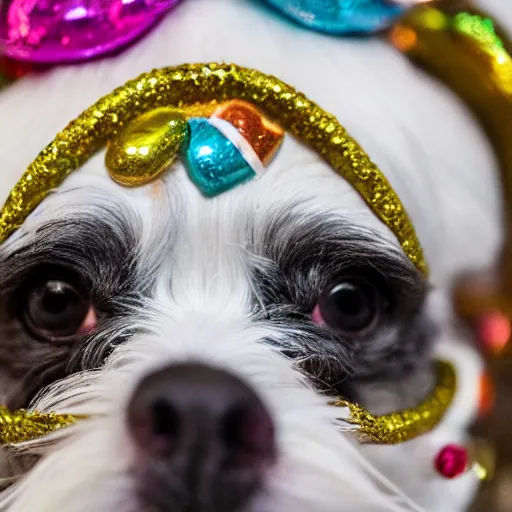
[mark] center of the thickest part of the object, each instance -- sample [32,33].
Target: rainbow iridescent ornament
[56,31]
[342,16]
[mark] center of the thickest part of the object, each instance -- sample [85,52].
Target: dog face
[109,289]
[172,320]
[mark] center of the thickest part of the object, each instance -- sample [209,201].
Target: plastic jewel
[486,395]
[146,147]
[264,136]
[493,331]
[57,31]
[405,425]
[341,16]
[451,461]
[213,160]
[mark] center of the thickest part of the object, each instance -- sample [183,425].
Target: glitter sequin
[22,425]
[206,83]
[405,425]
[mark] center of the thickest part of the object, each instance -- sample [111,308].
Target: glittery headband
[203,83]
[189,92]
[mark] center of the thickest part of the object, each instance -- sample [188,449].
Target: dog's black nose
[208,429]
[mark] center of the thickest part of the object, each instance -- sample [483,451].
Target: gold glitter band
[204,83]
[21,426]
[403,426]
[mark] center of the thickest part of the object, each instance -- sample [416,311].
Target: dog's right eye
[353,306]
[56,310]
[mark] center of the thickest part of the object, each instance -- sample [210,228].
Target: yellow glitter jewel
[21,426]
[405,425]
[147,147]
[205,83]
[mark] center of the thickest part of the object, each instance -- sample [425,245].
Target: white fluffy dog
[112,296]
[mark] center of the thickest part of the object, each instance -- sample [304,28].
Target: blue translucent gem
[341,16]
[213,162]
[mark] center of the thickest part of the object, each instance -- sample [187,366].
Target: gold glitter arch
[405,425]
[398,427]
[203,83]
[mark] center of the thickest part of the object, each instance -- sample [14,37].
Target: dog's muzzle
[201,434]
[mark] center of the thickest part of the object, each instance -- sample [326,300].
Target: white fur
[422,138]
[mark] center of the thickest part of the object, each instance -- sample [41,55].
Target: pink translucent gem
[451,461]
[54,31]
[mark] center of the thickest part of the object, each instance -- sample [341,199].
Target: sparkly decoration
[205,83]
[405,425]
[146,147]
[24,425]
[220,152]
[264,136]
[493,332]
[56,31]
[486,395]
[482,77]
[341,16]
[483,457]
[213,161]
[451,461]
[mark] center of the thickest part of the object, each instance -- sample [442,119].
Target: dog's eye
[55,310]
[352,306]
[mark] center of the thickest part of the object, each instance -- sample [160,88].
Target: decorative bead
[146,147]
[451,461]
[57,31]
[264,136]
[493,332]
[341,16]
[486,395]
[214,162]
[483,456]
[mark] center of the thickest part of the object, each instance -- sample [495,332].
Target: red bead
[494,331]
[452,461]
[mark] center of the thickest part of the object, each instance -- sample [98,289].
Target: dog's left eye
[56,309]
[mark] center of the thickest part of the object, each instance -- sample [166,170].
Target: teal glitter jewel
[341,16]
[213,161]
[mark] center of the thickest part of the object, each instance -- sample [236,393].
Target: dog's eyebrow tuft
[100,249]
[310,249]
